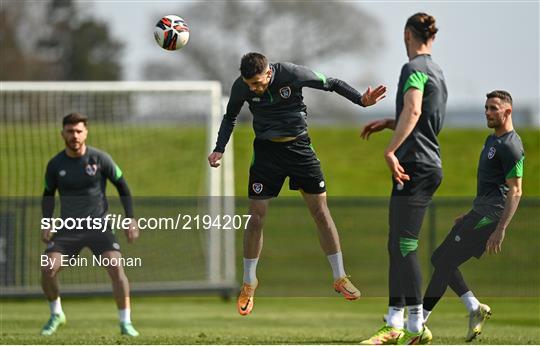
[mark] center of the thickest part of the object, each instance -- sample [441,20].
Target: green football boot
[385,336]
[55,321]
[126,328]
[423,337]
[476,321]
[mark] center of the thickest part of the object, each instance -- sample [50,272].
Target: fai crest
[491,153]
[285,92]
[257,188]
[91,169]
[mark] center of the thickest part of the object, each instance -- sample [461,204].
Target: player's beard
[493,123]
[261,91]
[74,145]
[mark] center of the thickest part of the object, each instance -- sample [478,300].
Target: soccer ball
[171,32]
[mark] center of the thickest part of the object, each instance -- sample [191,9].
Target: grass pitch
[181,320]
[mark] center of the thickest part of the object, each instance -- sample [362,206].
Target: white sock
[470,301]
[426,315]
[336,262]
[250,270]
[395,317]
[124,315]
[416,318]
[55,306]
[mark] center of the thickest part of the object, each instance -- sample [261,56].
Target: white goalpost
[127,118]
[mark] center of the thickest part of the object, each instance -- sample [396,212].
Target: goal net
[159,134]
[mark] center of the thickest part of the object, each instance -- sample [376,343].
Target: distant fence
[291,252]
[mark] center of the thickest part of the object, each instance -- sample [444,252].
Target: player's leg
[463,242]
[446,264]
[304,169]
[106,246]
[405,277]
[328,235]
[329,239]
[253,242]
[62,244]
[396,298]
[49,284]
[408,206]
[49,276]
[120,285]
[265,181]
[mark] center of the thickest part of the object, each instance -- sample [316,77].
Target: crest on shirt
[62,173]
[285,92]
[257,188]
[491,152]
[91,169]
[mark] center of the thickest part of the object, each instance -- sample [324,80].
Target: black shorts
[274,161]
[467,238]
[72,242]
[408,203]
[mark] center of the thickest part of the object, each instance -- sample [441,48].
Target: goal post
[160,133]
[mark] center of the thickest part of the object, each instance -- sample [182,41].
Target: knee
[256,222]
[48,273]
[321,214]
[116,273]
[436,258]
[257,219]
[402,246]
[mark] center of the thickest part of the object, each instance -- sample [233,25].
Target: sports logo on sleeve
[285,92]
[91,169]
[491,152]
[257,188]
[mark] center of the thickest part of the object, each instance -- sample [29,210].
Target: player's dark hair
[253,64]
[74,119]
[501,94]
[422,25]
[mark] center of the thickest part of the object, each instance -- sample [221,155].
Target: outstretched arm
[316,80]
[376,126]
[369,98]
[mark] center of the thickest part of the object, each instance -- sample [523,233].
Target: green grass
[354,167]
[168,320]
[171,161]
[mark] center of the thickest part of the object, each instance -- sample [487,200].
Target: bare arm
[412,109]
[376,126]
[512,201]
